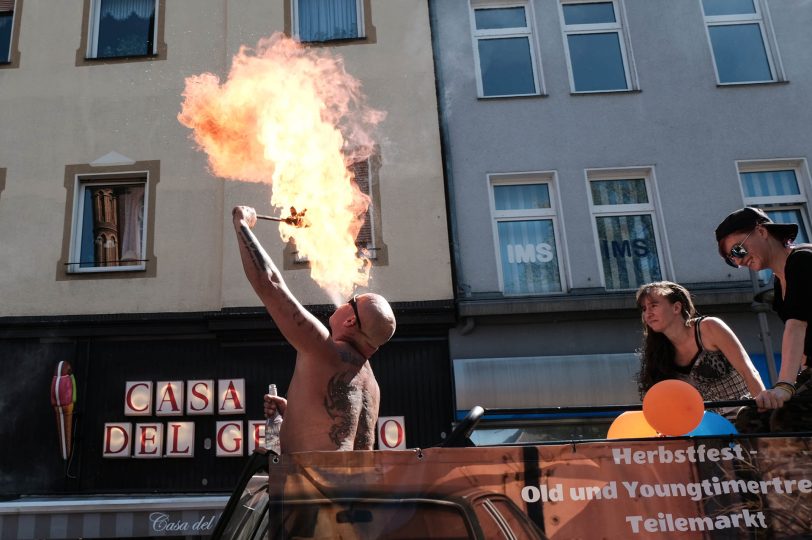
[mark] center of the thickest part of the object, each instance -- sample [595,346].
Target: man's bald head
[378,318]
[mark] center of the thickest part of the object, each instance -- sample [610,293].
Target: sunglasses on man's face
[354,303]
[738,251]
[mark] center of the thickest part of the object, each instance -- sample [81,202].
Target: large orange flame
[292,116]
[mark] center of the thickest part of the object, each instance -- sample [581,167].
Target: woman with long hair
[703,351]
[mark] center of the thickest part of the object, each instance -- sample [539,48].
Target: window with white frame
[109,228]
[122,28]
[6,27]
[625,227]
[504,49]
[526,234]
[320,20]
[738,35]
[596,46]
[778,188]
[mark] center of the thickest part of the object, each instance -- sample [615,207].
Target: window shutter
[360,172]
[6,5]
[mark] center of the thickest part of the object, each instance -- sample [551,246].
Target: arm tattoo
[258,256]
[264,264]
[298,316]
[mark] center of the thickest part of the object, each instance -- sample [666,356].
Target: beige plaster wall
[54,113]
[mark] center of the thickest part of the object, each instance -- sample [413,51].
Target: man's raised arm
[300,327]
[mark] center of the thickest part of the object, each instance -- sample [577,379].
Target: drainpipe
[761,306]
[456,267]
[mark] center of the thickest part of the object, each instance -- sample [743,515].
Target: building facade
[118,256]
[592,147]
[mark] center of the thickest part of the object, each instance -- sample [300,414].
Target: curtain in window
[769,183]
[6,5]
[610,192]
[132,207]
[629,251]
[791,216]
[521,196]
[529,259]
[321,21]
[121,10]
[105,227]
[125,28]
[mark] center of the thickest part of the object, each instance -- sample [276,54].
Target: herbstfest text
[697,491]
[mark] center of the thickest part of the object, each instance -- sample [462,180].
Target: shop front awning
[58,518]
[545,381]
[539,399]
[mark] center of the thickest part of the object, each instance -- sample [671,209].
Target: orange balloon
[631,425]
[673,407]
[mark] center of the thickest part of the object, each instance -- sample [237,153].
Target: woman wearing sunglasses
[703,351]
[749,238]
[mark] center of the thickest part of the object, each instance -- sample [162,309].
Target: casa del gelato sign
[176,404]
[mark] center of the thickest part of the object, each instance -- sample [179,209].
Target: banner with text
[677,488]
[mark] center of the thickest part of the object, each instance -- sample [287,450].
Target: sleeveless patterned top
[711,373]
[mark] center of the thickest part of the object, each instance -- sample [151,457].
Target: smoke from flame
[292,117]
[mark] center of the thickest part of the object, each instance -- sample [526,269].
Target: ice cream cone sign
[63,399]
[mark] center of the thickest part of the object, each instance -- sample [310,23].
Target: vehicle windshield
[362,520]
[250,515]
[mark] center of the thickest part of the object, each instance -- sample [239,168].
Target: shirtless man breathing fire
[333,397]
